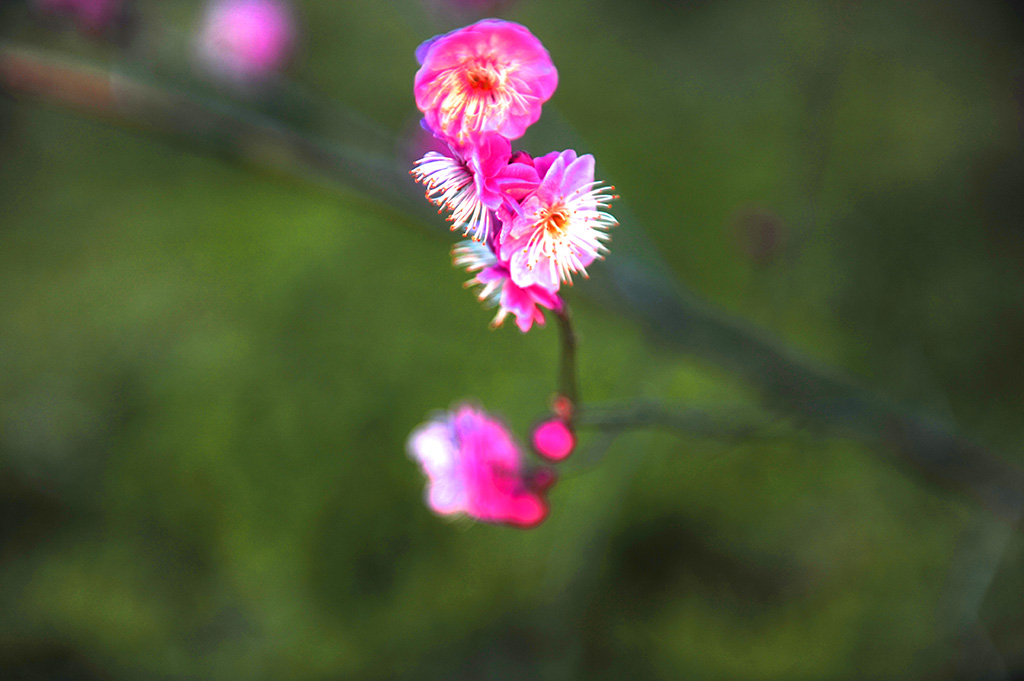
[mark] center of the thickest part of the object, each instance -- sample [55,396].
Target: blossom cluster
[532,222]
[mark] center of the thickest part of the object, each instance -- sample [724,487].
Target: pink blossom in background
[491,76]
[474,468]
[415,141]
[473,181]
[553,439]
[92,15]
[246,41]
[561,226]
[500,291]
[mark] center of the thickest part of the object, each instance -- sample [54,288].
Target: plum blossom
[561,226]
[475,468]
[491,76]
[500,291]
[246,41]
[474,181]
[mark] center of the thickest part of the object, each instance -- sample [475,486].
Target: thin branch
[568,382]
[729,425]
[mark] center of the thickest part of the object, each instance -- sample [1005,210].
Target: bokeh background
[208,372]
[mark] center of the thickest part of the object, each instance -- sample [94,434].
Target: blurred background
[208,370]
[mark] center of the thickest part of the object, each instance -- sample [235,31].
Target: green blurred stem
[635,282]
[568,382]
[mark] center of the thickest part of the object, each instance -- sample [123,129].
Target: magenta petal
[491,153]
[518,179]
[525,303]
[543,163]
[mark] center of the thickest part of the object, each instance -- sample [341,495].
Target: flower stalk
[568,380]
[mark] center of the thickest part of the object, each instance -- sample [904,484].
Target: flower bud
[553,440]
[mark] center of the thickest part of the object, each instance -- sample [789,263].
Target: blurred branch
[208,124]
[634,282]
[722,425]
[797,385]
[568,383]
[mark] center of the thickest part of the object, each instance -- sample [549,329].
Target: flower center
[481,79]
[484,77]
[554,220]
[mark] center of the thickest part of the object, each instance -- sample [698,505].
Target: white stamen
[450,185]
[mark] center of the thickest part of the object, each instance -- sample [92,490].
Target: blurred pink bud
[475,468]
[246,41]
[553,440]
[563,407]
[91,15]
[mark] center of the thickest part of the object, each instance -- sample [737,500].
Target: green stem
[568,382]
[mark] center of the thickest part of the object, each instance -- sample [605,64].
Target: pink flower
[491,76]
[473,181]
[246,41]
[561,226]
[553,439]
[92,15]
[499,289]
[474,468]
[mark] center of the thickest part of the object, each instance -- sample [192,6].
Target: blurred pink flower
[474,468]
[246,41]
[473,181]
[491,76]
[553,439]
[561,226]
[91,15]
[499,289]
